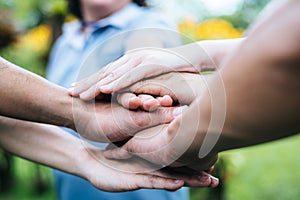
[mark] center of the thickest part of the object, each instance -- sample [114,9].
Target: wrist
[187,58]
[84,160]
[64,109]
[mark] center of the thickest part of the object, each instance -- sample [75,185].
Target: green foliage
[30,13]
[269,171]
[26,184]
[25,58]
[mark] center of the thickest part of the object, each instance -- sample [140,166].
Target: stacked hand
[162,136]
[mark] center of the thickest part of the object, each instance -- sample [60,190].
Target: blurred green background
[27,31]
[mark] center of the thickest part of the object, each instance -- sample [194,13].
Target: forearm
[258,109]
[27,96]
[206,55]
[216,51]
[45,144]
[261,84]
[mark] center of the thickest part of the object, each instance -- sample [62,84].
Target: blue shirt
[76,55]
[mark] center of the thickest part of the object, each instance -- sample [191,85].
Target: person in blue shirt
[104,32]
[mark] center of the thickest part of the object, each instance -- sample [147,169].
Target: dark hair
[74,6]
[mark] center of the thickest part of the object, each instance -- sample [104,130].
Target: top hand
[132,67]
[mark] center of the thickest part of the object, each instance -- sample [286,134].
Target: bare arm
[53,147]
[45,144]
[256,90]
[25,95]
[148,62]
[263,95]
[261,91]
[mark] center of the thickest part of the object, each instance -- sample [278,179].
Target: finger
[214,181]
[131,122]
[90,93]
[151,87]
[141,120]
[191,179]
[165,101]
[110,68]
[119,69]
[129,100]
[144,142]
[85,84]
[156,182]
[148,102]
[128,182]
[205,180]
[134,75]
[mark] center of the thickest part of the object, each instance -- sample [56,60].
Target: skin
[182,88]
[148,62]
[42,101]
[142,63]
[26,139]
[261,106]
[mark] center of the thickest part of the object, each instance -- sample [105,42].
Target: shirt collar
[119,20]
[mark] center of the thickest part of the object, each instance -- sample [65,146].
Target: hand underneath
[110,122]
[133,174]
[166,145]
[164,90]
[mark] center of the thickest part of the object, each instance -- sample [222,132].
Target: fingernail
[214,182]
[73,84]
[179,110]
[203,178]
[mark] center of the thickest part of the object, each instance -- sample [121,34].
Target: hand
[145,102]
[110,122]
[171,87]
[132,67]
[160,146]
[133,174]
[176,144]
